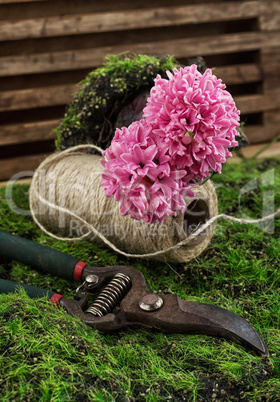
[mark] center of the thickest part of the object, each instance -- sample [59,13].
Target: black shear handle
[33,292]
[40,257]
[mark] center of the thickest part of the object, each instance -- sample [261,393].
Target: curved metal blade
[201,318]
[181,316]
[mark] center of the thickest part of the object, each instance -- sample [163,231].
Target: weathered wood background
[47,47]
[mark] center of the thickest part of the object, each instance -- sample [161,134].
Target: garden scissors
[121,297]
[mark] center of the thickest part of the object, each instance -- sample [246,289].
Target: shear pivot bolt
[151,302]
[92,279]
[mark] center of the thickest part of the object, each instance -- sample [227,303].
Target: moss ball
[111,96]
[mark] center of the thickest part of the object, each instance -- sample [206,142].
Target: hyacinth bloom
[139,175]
[196,117]
[188,127]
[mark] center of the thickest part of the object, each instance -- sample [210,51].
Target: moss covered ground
[48,355]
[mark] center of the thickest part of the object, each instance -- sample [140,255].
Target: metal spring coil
[110,296]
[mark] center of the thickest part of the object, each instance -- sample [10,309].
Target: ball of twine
[66,198]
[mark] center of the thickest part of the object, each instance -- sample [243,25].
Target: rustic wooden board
[125,20]
[262,132]
[27,132]
[46,47]
[270,22]
[239,74]
[18,1]
[272,118]
[269,7]
[270,60]
[270,55]
[259,102]
[272,152]
[10,167]
[36,97]
[21,181]
[63,94]
[86,58]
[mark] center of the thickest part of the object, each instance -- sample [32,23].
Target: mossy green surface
[101,95]
[48,355]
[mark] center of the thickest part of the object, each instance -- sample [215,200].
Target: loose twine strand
[93,230]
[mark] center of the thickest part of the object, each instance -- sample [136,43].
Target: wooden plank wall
[47,47]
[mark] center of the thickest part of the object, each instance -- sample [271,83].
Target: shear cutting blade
[213,320]
[181,316]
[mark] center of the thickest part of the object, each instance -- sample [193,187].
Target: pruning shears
[121,297]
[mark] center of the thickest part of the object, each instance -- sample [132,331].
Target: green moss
[47,355]
[101,95]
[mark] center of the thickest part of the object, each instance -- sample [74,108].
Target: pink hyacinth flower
[138,174]
[189,125]
[196,117]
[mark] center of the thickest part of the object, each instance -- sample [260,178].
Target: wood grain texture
[272,152]
[272,80]
[270,22]
[45,47]
[261,133]
[272,118]
[12,166]
[269,6]
[239,74]
[89,58]
[27,132]
[270,55]
[126,20]
[270,61]
[18,1]
[20,181]
[258,102]
[36,97]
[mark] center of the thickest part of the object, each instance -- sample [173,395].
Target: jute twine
[66,197]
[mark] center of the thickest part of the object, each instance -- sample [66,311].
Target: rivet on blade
[151,302]
[92,279]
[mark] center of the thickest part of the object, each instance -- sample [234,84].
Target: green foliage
[101,95]
[47,355]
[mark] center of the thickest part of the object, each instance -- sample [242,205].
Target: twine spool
[66,194]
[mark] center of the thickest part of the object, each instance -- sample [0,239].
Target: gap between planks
[126,20]
[63,94]
[89,58]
